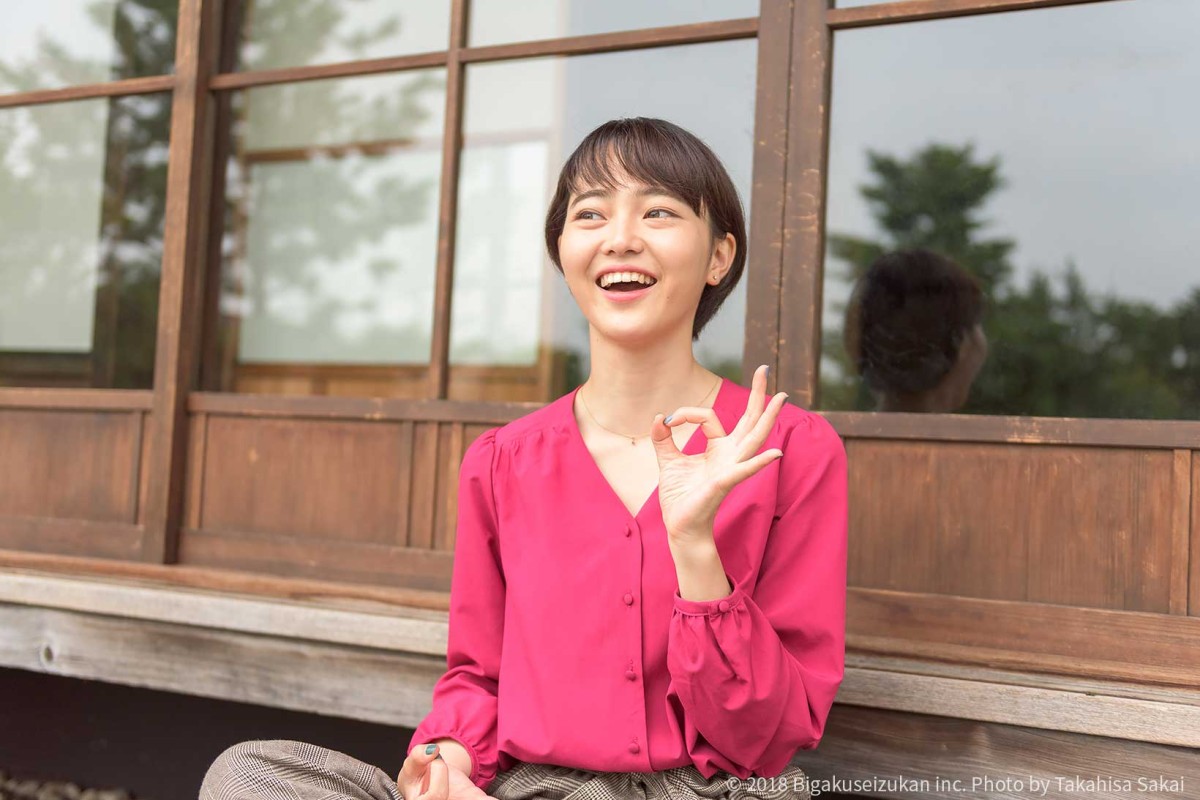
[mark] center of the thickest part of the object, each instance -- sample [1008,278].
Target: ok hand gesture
[691,488]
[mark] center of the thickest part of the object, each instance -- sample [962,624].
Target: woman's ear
[724,250]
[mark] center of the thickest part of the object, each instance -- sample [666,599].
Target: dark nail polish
[429,748]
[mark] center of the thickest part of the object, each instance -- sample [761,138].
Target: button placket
[631,673]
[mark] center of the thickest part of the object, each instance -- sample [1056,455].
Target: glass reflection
[271,34]
[55,43]
[502,21]
[1021,166]
[914,333]
[516,331]
[82,200]
[330,237]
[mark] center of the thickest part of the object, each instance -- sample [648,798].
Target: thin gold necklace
[633,439]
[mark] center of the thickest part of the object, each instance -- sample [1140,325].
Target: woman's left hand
[691,488]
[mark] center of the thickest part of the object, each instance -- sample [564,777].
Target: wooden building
[267,268]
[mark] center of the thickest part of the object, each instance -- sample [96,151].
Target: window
[82,193]
[1049,156]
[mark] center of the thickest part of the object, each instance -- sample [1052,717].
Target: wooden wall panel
[1100,527]
[144,421]
[357,500]
[423,498]
[450,453]
[70,464]
[1076,526]
[916,523]
[332,479]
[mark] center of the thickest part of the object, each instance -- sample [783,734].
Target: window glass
[55,43]
[502,21]
[330,236]
[82,197]
[516,331]
[275,33]
[1046,163]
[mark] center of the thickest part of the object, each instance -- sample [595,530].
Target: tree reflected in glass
[1056,348]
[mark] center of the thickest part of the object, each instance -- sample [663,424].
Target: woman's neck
[627,386]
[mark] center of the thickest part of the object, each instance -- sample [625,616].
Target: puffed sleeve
[756,675]
[464,698]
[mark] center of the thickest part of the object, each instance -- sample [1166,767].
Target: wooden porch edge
[43,613]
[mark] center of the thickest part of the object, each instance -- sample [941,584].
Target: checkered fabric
[282,769]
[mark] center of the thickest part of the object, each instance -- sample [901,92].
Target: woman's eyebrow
[642,191]
[589,194]
[658,191]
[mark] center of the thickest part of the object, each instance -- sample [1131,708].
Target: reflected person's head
[645,195]
[914,331]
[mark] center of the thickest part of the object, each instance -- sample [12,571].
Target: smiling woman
[610,635]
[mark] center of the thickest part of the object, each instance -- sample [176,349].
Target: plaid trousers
[282,769]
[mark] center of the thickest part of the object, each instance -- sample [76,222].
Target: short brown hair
[660,154]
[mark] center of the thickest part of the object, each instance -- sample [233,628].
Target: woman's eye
[588,215]
[659,213]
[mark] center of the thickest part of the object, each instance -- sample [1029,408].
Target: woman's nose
[622,235]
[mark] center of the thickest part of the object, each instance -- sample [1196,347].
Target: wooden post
[184,245]
[765,265]
[804,210]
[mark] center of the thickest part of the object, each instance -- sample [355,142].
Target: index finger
[707,418]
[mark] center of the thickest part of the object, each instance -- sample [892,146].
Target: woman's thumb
[419,758]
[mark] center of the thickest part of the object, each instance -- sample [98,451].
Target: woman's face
[642,229]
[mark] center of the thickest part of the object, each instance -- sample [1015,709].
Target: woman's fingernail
[430,749]
[668,419]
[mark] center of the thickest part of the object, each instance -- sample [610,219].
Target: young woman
[648,598]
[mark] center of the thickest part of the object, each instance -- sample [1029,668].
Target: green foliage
[1055,349]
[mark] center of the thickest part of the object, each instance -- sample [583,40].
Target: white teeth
[620,277]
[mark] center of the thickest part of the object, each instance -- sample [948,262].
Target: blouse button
[723,605]
[628,599]
[633,747]
[630,675]
[628,530]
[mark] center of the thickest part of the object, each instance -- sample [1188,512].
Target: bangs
[616,157]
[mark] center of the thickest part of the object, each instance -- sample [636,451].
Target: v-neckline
[689,448]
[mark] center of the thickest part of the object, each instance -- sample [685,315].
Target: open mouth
[624,282]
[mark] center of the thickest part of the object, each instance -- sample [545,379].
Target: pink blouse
[569,643]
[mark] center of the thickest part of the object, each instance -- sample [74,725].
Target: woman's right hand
[426,776]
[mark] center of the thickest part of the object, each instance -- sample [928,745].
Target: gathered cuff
[709,608]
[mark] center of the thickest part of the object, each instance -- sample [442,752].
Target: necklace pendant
[633,442]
